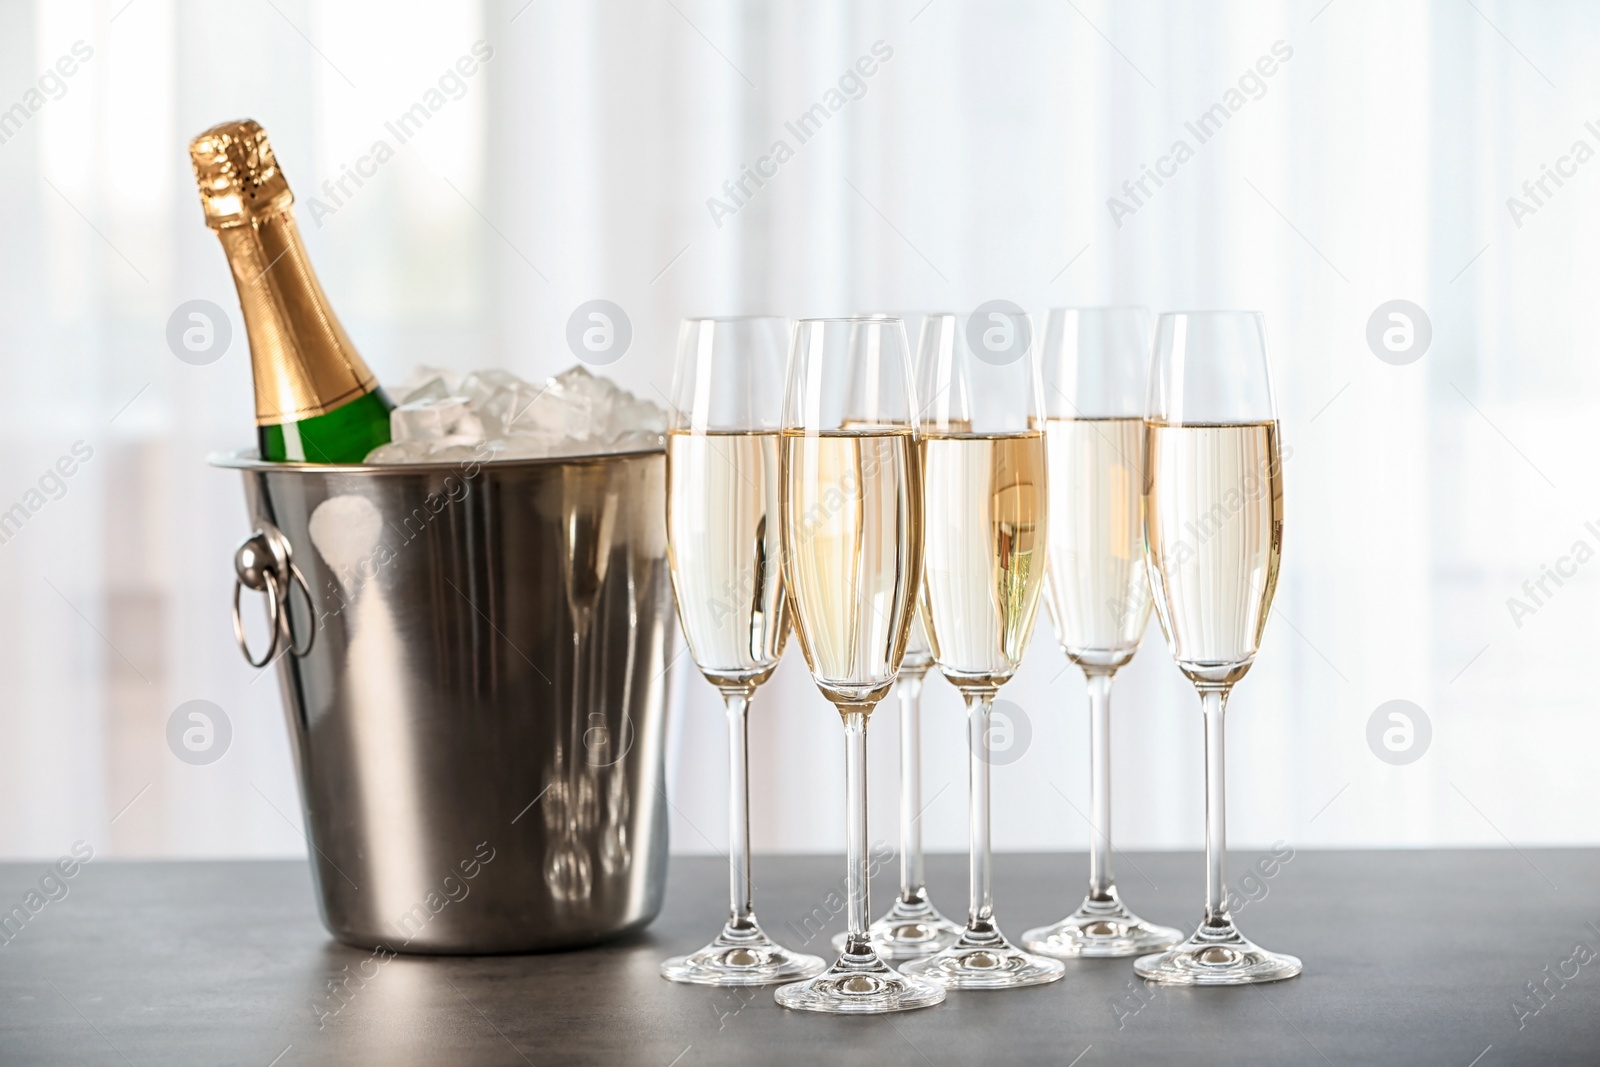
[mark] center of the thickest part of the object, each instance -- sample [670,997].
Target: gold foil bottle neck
[303,361]
[238,175]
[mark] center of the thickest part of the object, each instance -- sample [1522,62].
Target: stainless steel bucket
[472,659]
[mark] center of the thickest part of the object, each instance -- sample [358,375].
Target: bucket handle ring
[264,563]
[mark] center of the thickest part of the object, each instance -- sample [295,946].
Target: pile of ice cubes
[493,414]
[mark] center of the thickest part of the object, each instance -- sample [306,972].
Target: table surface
[1410,957]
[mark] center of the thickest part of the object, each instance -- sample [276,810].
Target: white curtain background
[1374,165]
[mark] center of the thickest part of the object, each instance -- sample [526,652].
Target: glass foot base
[985,960]
[910,930]
[1216,955]
[741,957]
[1100,929]
[860,985]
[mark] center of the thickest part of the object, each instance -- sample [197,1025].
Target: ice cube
[635,414]
[424,376]
[514,409]
[580,389]
[480,385]
[435,420]
[577,380]
[433,389]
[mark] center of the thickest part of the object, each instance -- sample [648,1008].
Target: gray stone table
[1411,957]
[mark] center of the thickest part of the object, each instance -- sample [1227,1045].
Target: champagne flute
[852,556]
[912,926]
[723,547]
[986,521]
[1095,364]
[1213,496]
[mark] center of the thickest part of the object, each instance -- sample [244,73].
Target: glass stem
[855,800]
[980,911]
[1100,879]
[741,903]
[1213,702]
[912,877]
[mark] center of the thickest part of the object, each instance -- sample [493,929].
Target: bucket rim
[248,460]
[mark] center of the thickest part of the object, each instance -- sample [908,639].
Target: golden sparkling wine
[984,550]
[852,506]
[1214,526]
[316,400]
[724,543]
[1096,590]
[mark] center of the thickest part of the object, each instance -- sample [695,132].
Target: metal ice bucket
[472,659]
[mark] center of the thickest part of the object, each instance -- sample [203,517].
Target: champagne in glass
[987,517]
[1213,494]
[1220,487]
[846,520]
[732,602]
[1095,364]
[724,547]
[852,551]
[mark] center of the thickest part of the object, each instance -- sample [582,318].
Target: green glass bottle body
[343,435]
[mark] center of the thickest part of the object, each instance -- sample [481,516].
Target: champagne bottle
[316,400]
